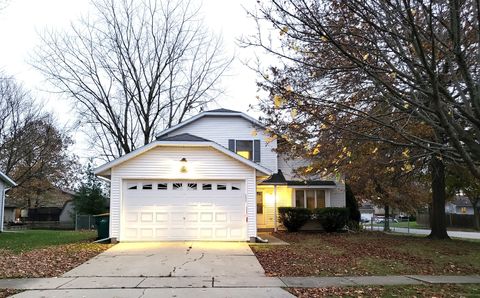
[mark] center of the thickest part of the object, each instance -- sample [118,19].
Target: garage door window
[192,186]
[235,186]
[132,185]
[177,186]
[147,186]
[221,187]
[162,186]
[206,186]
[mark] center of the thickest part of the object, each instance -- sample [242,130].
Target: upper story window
[249,149]
[245,149]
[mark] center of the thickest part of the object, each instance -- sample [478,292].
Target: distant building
[460,205]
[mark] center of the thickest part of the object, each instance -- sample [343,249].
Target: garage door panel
[146,217]
[206,217]
[184,213]
[192,217]
[161,232]
[161,217]
[146,233]
[221,217]
[131,217]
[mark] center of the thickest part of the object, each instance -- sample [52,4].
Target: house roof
[7,180]
[217,112]
[221,110]
[279,179]
[184,137]
[275,179]
[311,183]
[169,142]
[462,201]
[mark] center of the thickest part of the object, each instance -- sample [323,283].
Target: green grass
[402,224]
[20,241]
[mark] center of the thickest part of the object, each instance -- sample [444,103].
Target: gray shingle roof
[221,110]
[311,182]
[184,137]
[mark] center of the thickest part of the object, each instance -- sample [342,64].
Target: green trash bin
[102,222]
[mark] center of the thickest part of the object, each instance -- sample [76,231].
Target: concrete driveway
[164,269]
[170,259]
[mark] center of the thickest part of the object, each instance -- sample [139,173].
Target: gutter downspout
[2,206]
[275,208]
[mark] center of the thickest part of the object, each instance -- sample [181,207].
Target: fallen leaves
[8,292]
[430,291]
[47,262]
[365,254]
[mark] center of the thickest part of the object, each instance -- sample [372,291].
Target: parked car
[381,219]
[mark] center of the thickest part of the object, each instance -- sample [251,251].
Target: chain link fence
[85,222]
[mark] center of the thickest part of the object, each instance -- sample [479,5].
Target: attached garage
[182,190]
[184,210]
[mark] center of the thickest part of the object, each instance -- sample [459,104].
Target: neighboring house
[5,184]
[215,176]
[10,212]
[67,215]
[460,205]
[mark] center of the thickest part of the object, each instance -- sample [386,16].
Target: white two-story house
[215,176]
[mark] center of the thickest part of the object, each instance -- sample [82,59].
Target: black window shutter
[231,145]
[256,150]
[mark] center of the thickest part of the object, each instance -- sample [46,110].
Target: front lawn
[42,253]
[465,290]
[367,253]
[401,224]
[31,239]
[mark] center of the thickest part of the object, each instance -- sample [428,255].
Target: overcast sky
[21,21]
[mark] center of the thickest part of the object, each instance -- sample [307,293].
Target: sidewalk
[453,234]
[63,283]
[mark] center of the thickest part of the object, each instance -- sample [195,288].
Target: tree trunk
[476,215]
[386,223]
[438,225]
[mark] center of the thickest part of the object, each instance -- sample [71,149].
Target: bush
[332,219]
[293,218]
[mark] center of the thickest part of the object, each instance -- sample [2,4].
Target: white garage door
[183,210]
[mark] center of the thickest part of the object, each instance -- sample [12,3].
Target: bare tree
[134,68]
[33,150]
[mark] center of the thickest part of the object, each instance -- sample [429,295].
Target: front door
[260,209]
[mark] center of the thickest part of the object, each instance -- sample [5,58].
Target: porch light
[183,165]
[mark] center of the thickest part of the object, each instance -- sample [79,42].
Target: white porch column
[275,208]
[327,198]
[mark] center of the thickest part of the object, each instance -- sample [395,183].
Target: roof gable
[184,137]
[103,170]
[212,113]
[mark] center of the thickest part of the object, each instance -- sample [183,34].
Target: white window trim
[327,196]
[247,140]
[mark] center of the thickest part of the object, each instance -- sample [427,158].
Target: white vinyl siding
[2,204]
[221,129]
[203,163]
[337,195]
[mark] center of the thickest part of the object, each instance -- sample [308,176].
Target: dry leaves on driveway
[49,261]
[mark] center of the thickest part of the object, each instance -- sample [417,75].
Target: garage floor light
[183,163]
